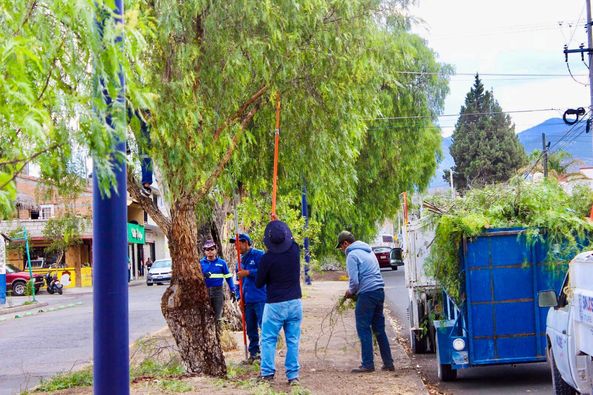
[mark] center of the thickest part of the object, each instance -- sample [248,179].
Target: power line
[463,115]
[486,74]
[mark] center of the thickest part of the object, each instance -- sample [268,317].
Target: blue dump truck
[498,320]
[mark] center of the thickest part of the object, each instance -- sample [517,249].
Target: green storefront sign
[135,234]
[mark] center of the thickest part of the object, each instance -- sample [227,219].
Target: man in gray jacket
[366,285]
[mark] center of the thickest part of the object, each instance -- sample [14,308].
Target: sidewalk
[19,306]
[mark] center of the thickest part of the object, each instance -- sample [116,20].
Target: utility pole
[451,183]
[589,51]
[545,155]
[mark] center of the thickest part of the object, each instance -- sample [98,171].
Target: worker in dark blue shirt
[215,271]
[280,271]
[254,297]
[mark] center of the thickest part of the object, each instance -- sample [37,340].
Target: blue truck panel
[499,319]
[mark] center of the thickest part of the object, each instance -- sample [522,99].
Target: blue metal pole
[305,214]
[110,272]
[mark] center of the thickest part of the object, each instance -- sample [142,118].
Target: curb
[16,309]
[32,313]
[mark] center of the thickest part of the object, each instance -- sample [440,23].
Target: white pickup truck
[569,329]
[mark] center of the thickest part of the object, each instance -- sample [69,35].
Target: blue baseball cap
[242,237]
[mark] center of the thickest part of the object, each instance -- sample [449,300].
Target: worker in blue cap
[216,270]
[254,298]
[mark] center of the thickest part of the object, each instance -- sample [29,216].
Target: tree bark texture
[185,304]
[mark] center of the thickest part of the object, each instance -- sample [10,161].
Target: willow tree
[216,69]
[48,104]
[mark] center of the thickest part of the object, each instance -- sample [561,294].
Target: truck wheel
[419,346]
[18,288]
[559,386]
[446,372]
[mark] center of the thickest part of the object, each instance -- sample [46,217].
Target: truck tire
[446,372]
[559,386]
[419,346]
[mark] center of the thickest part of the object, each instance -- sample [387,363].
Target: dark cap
[209,244]
[242,237]
[345,236]
[277,237]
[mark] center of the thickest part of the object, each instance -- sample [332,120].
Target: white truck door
[558,330]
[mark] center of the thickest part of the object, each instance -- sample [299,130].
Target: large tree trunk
[185,304]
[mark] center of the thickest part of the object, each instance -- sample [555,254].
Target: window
[46,211]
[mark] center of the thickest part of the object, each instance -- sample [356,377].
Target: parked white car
[160,272]
[569,329]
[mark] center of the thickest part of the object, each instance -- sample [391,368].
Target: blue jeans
[253,318]
[369,315]
[287,315]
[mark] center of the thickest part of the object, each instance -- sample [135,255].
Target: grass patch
[152,368]
[175,386]
[81,378]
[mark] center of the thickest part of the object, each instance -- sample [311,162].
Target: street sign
[136,234]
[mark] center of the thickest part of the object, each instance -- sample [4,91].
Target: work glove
[207,275]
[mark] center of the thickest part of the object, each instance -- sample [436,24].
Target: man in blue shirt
[215,271]
[254,298]
[280,271]
[366,284]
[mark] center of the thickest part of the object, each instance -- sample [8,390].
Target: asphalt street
[532,378]
[42,345]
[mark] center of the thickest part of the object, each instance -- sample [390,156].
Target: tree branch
[147,204]
[236,116]
[32,157]
[229,153]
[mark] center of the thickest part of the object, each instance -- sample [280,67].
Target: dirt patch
[327,354]
[333,275]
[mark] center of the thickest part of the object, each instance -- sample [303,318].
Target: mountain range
[573,139]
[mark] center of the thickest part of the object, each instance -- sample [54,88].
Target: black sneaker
[254,358]
[294,382]
[267,379]
[388,368]
[145,191]
[362,369]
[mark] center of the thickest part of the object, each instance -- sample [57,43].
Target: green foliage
[81,378]
[152,368]
[550,215]
[485,148]
[64,231]
[52,60]
[175,385]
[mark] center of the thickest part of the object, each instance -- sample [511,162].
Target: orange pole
[276,147]
[242,304]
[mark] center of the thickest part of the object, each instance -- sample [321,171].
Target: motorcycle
[53,284]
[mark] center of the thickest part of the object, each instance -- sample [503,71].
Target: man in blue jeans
[366,284]
[254,297]
[280,271]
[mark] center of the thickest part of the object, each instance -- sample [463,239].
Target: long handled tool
[242,301]
[276,147]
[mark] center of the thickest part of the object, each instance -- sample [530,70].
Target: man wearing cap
[254,297]
[279,271]
[366,284]
[215,271]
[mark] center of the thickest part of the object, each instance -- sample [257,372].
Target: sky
[509,37]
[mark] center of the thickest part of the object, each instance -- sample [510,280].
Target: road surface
[532,378]
[45,344]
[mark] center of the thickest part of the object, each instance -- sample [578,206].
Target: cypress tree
[485,147]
